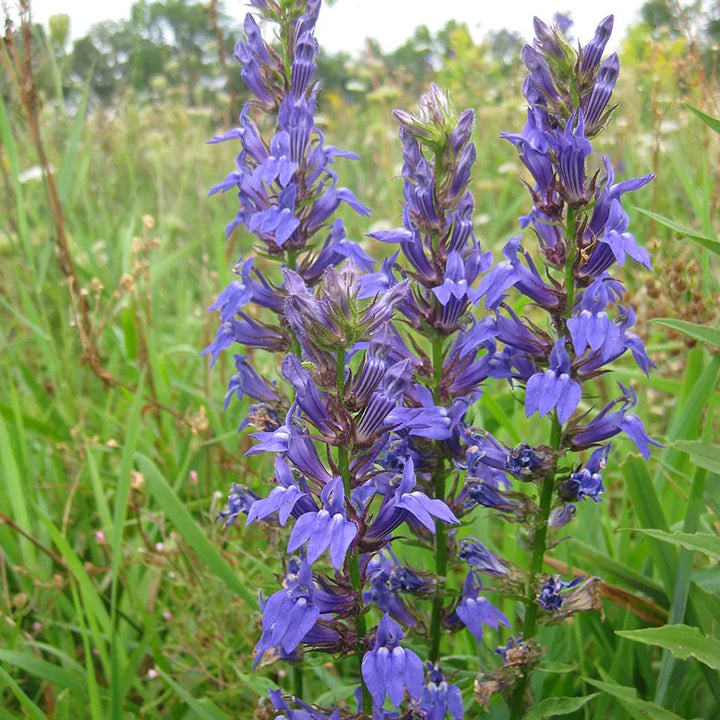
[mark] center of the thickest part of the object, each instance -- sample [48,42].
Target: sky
[345,25]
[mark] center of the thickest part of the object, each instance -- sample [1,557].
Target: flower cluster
[287,189]
[367,424]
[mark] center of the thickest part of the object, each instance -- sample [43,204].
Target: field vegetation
[120,594]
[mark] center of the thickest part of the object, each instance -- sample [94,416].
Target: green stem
[570,257]
[539,546]
[297,680]
[343,453]
[440,530]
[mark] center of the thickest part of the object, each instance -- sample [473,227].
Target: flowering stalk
[383,366]
[582,231]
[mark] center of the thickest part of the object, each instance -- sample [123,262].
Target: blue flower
[408,502]
[287,499]
[485,493]
[476,611]
[288,615]
[387,580]
[523,461]
[393,384]
[326,528]
[592,52]
[554,388]
[602,90]
[611,421]
[562,515]
[573,148]
[306,713]
[389,669]
[439,698]
[512,272]
[588,481]
[240,499]
[248,382]
[550,597]
[476,555]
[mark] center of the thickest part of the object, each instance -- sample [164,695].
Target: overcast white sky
[345,25]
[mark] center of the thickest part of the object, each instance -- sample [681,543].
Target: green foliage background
[119,594]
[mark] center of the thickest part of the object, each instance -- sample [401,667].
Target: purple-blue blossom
[476,611]
[554,388]
[389,669]
[551,597]
[477,556]
[440,697]
[587,482]
[327,528]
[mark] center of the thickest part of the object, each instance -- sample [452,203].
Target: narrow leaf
[551,707]
[683,642]
[712,122]
[32,710]
[627,696]
[54,674]
[708,243]
[187,527]
[73,143]
[203,709]
[649,510]
[706,543]
[697,332]
[702,454]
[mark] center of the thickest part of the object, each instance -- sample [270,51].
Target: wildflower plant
[368,422]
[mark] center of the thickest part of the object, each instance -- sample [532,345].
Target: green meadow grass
[120,595]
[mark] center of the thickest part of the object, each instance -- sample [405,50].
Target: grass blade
[188,528]
[204,709]
[693,330]
[16,495]
[711,244]
[712,122]
[73,143]
[647,506]
[122,495]
[32,710]
[54,674]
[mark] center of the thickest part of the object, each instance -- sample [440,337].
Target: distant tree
[662,16]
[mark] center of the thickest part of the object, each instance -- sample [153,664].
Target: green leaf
[706,543]
[627,696]
[54,674]
[704,455]
[697,332]
[73,143]
[333,696]
[203,709]
[188,528]
[32,710]
[557,706]
[709,120]
[122,495]
[682,641]
[16,493]
[649,510]
[257,683]
[708,243]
